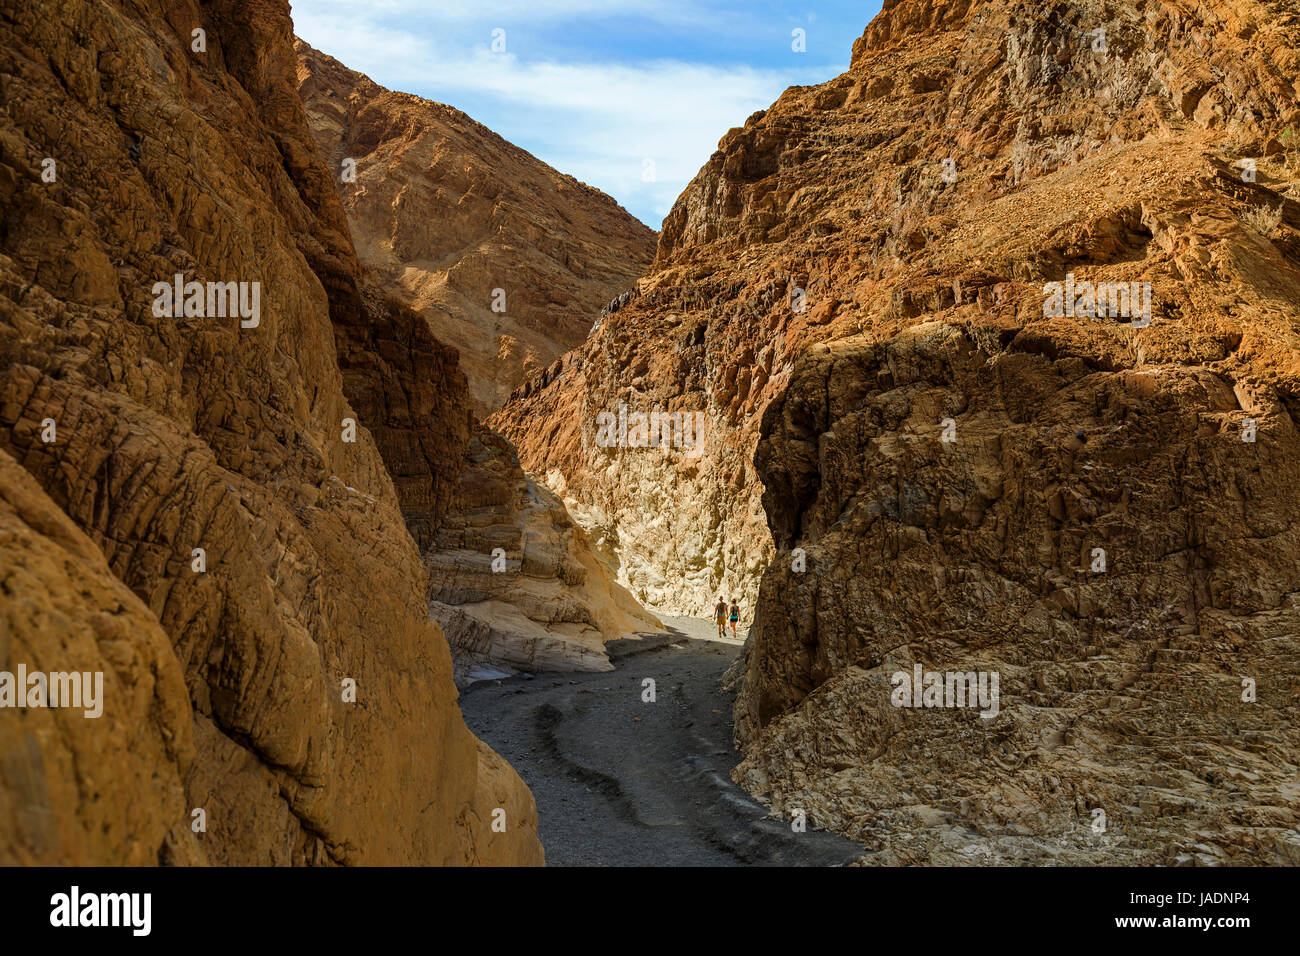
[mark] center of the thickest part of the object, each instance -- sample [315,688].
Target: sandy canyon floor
[620,781]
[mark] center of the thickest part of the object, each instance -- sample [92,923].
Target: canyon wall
[210,508]
[821,217]
[1095,510]
[858,278]
[514,581]
[444,213]
[1100,539]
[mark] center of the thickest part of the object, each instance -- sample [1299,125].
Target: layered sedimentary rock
[214,505]
[944,463]
[513,580]
[509,260]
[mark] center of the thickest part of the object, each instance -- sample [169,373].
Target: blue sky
[630,96]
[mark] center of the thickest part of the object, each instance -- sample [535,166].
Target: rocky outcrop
[514,582]
[509,260]
[862,273]
[1100,540]
[199,518]
[832,214]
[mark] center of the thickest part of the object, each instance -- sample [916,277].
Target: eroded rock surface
[78,787]
[916,208]
[514,581]
[177,433]
[835,200]
[445,212]
[1102,540]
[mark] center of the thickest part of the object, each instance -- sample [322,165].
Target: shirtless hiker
[720,615]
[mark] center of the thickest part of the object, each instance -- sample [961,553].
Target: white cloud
[509,12]
[598,121]
[603,122]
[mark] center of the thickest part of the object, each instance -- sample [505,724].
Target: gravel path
[622,782]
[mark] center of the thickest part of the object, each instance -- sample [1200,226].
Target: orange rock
[446,213]
[227,689]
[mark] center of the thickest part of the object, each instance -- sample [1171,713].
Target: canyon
[1020,579]
[444,213]
[909,461]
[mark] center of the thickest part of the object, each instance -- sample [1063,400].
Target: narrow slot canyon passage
[348,446]
[621,781]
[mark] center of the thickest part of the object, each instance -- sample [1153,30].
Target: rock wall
[147,436]
[831,214]
[1068,502]
[445,212]
[862,271]
[513,581]
[1101,539]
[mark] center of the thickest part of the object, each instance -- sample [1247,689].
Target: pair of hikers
[722,614]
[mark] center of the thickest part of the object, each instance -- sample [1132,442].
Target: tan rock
[80,786]
[176,433]
[445,213]
[514,581]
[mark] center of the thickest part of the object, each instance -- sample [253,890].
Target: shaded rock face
[144,437]
[1124,587]
[408,390]
[514,582]
[920,205]
[834,200]
[445,212]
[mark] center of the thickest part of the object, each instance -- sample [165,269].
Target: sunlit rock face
[866,269]
[212,510]
[446,213]
[507,259]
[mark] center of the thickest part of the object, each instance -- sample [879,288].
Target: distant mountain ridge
[446,213]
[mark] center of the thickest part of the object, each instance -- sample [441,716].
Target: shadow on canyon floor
[623,782]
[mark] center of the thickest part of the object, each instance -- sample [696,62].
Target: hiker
[720,615]
[735,616]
